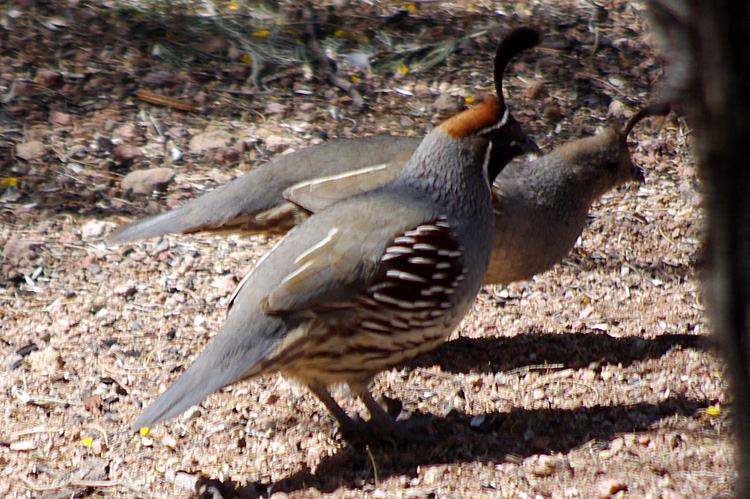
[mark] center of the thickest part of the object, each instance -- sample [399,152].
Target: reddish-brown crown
[469,122]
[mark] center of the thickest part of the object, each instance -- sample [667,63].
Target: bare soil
[595,379]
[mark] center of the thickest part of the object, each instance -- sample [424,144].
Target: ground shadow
[491,438]
[572,350]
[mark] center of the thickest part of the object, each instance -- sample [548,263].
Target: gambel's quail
[253,203]
[541,203]
[374,279]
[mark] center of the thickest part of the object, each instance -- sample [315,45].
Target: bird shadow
[495,437]
[571,350]
[490,438]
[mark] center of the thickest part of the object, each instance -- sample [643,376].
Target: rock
[609,487]
[126,289]
[552,113]
[145,181]
[227,155]
[448,104]
[421,90]
[93,469]
[224,284]
[60,327]
[360,60]
[175,153]
[616,109]
[78,151]
[276,143]
[59,118]
[550,465]
[275,108]
[206,141]
[177,132]
[159,77]
[169,442]
[93,228]
[534,90]
[616,445]
[125,152]
[46,361]
[23,446]
[49,78]
[125,133]
[30,150]
[16,247]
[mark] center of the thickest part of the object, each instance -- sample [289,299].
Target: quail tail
[246,195]
[228,359]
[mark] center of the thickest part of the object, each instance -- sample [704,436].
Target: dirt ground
[595,379]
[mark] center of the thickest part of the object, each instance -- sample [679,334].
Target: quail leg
[403,431]
[381,424]
[349,427]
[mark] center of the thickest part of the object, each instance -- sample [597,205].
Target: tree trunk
[707,44]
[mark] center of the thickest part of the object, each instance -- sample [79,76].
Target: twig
[610,86]
[281,74]
[539,367]
[324,61]
[87,484]
[35,431]
[163,100]
[101,430]
[374,466]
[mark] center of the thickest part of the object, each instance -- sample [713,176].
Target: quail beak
[528,146]
[636,174]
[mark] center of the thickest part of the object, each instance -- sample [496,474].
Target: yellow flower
[145,431]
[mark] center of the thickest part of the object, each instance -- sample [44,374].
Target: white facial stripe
[498,125]
[486,163]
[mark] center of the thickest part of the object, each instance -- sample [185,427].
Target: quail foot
[373,280]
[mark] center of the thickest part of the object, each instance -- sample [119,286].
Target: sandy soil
[596,379]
